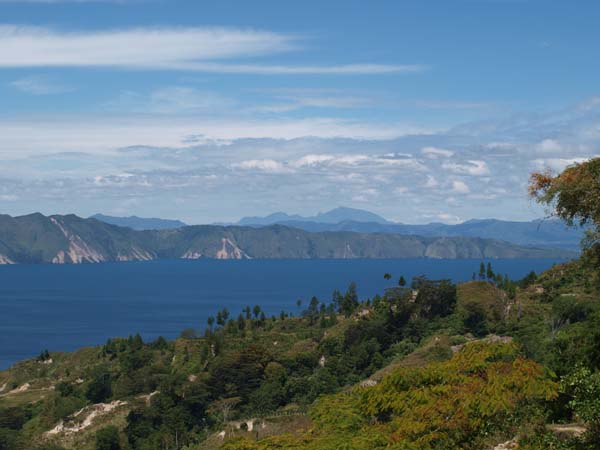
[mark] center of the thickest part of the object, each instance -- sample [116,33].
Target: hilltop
[140,223]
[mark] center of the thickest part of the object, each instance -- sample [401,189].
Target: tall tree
[489,274]
[574,196]
[482,271]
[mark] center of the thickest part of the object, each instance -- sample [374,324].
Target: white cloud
[192,49]
[434,152]
[38,85]
[264,165]
[460,187]
[549,146]
[312,160]
[472,167]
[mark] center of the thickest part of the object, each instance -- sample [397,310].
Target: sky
[420,111]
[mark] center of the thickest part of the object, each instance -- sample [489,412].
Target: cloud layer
[206,171]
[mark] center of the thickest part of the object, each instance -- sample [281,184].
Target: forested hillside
[431,365]
[72,240]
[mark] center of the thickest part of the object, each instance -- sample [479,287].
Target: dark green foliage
[435,298]
[14,418]
[99,388]
[49,447]
[475,319]
[349,302]
[9,439]
[108,439]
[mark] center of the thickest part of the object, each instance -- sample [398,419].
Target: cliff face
[72,240]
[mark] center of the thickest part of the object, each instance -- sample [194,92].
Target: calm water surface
[62,308]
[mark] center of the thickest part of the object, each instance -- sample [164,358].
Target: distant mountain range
[539,233]
[334,216]
[36,238]
[140,223]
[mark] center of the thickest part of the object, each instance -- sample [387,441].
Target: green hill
[70,239]
[431,366]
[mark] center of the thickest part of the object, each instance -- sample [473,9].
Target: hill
[140,223]
[70,239]
[430,366]
[540,233]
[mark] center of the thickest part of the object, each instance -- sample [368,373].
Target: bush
[108,439]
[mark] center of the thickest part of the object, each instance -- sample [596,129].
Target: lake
[64,307]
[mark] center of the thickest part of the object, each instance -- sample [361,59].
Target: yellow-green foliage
[492,300]
[484,390]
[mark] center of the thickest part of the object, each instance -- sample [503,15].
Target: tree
[210,321]
[402,281]
[350,300]
[336,300]
[313,310]
[489,274]
[99,388]
[44,356]
[107,438]
[481,271]
[573,195]
[583,387]
[220,320]
[225,406]
[256,310]
[436,298]
[241,322]
[387,276]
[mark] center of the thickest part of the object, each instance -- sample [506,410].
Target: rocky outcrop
[190,254]
[79,251]
[230,250]
[5,260]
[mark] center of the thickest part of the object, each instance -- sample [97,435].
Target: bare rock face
[5,260]
[79,251]
[229,250]
[190,254]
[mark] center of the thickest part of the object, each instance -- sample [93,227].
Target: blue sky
[208,111]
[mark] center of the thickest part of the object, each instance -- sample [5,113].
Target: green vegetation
[421,366]
[70,239]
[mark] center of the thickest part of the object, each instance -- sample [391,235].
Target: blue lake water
[64,307]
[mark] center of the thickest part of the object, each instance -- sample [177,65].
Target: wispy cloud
[39,85]
[440,104]
[435,152]
[186,49]
[170,100]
